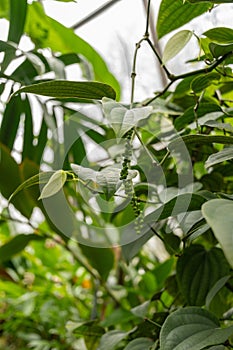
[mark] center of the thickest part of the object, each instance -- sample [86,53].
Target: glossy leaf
[221,35]
[197,272]
[218,214]
[175,44]
[16,245]
[47,32]
[65,89]
[174,14]
[54,185]
[122,119]
[18,11]
[219,157]
[203,81]
[192,328]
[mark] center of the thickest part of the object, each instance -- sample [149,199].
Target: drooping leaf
[219,157]
[65,89]
[106,180]
[122,119]
[221,126]
[47,32]
[198,270]
[192,328]
[175,44]
[218,214]
[54,185]
[174,14]
[211,1]
[16,245]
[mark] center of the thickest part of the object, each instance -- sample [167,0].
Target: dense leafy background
[159,181]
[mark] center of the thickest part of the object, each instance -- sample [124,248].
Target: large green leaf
[47,32]
[15,245]
[218,214]
[198,270]
[192,328]
[102,259]
[201,139]
[73,89]
[174,14]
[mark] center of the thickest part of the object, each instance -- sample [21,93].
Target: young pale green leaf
[139,344]
[16,245]
[197,272]
[122,119]
[218,214]
[54,185]
[192,328]
[174,14]
[220,35]
[72,89]
[41,178]
[219,157]
[203,81]
[175,44]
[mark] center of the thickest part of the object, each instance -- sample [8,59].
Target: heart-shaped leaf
[192,328]
[198,270]
[122,119]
